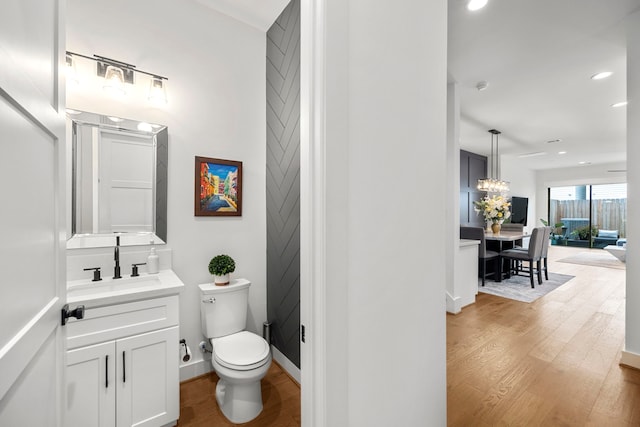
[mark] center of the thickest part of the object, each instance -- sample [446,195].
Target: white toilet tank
[223,309]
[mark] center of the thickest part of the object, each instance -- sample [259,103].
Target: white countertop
[115,291]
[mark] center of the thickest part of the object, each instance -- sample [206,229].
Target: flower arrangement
[494,209]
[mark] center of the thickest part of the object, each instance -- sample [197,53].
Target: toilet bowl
[239,357]
[241,360]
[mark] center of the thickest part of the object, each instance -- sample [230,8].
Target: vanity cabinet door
[91,386]
[147,376]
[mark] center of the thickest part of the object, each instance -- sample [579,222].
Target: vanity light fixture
[562,152]
[117,74]
[493,184]
[72,72]
[474,5]
[114,80]
[158,90]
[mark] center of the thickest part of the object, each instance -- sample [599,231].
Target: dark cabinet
[472,168]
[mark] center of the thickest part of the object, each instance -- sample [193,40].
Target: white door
[147,376]
[91,386]
[126,175]
[32,247]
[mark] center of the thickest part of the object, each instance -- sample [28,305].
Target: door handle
[124,369]
[77,312]
[106,371]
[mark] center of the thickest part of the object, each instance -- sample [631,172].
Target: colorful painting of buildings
[218,187]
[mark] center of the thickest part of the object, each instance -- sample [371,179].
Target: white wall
[631,354]
[522,184]
[216,90]
[384,148]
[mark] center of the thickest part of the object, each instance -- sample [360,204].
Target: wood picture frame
[218,187]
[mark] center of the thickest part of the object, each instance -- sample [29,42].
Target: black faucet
[116,257]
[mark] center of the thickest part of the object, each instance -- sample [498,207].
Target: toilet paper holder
[185,351]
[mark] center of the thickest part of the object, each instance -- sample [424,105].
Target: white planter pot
[221,280]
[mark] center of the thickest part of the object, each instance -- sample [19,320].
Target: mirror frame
[160,136]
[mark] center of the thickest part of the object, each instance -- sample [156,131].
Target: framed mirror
[118,181]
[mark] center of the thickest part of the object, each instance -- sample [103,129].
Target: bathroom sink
[109,290]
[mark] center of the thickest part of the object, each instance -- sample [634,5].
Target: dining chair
[545,251]
[532,255]
[484,255]
[510,226]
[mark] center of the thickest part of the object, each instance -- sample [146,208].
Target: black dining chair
[477,233]
[532,255]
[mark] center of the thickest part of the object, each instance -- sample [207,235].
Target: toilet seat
[241,351]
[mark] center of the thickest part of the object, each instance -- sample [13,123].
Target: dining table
[506,240]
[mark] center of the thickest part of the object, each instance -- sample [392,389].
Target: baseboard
[631,360]
[286,364]
[453,304]
[194,369]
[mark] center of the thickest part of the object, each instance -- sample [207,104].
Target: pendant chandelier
[494,184]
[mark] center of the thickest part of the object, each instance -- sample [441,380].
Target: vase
[495,227]
[221,280]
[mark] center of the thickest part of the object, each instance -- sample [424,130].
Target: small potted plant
[556,238]
[220,266]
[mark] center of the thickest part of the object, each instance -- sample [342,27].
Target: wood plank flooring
[280,397]
[550,363]
[553,362]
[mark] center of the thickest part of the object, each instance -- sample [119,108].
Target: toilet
[240,358]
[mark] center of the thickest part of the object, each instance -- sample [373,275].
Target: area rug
[596,259]
[519,287]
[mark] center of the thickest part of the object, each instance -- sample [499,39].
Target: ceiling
[538,58]
[260,14]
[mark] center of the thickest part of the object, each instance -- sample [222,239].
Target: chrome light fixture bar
[493,184]
[117,73]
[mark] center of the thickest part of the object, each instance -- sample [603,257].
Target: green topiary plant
[221,265]
[582,233]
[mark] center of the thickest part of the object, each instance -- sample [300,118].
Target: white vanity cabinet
[122,365]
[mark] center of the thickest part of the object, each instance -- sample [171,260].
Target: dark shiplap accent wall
[283,181]
[472,168]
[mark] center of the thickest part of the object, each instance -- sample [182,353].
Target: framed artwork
[218,187]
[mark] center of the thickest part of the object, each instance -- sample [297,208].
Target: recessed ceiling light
[584,163]
[619,104]
[476,4]
[562,152]
[602,75]
[537,153]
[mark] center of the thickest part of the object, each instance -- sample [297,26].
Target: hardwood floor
[280,397]
[553,362]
